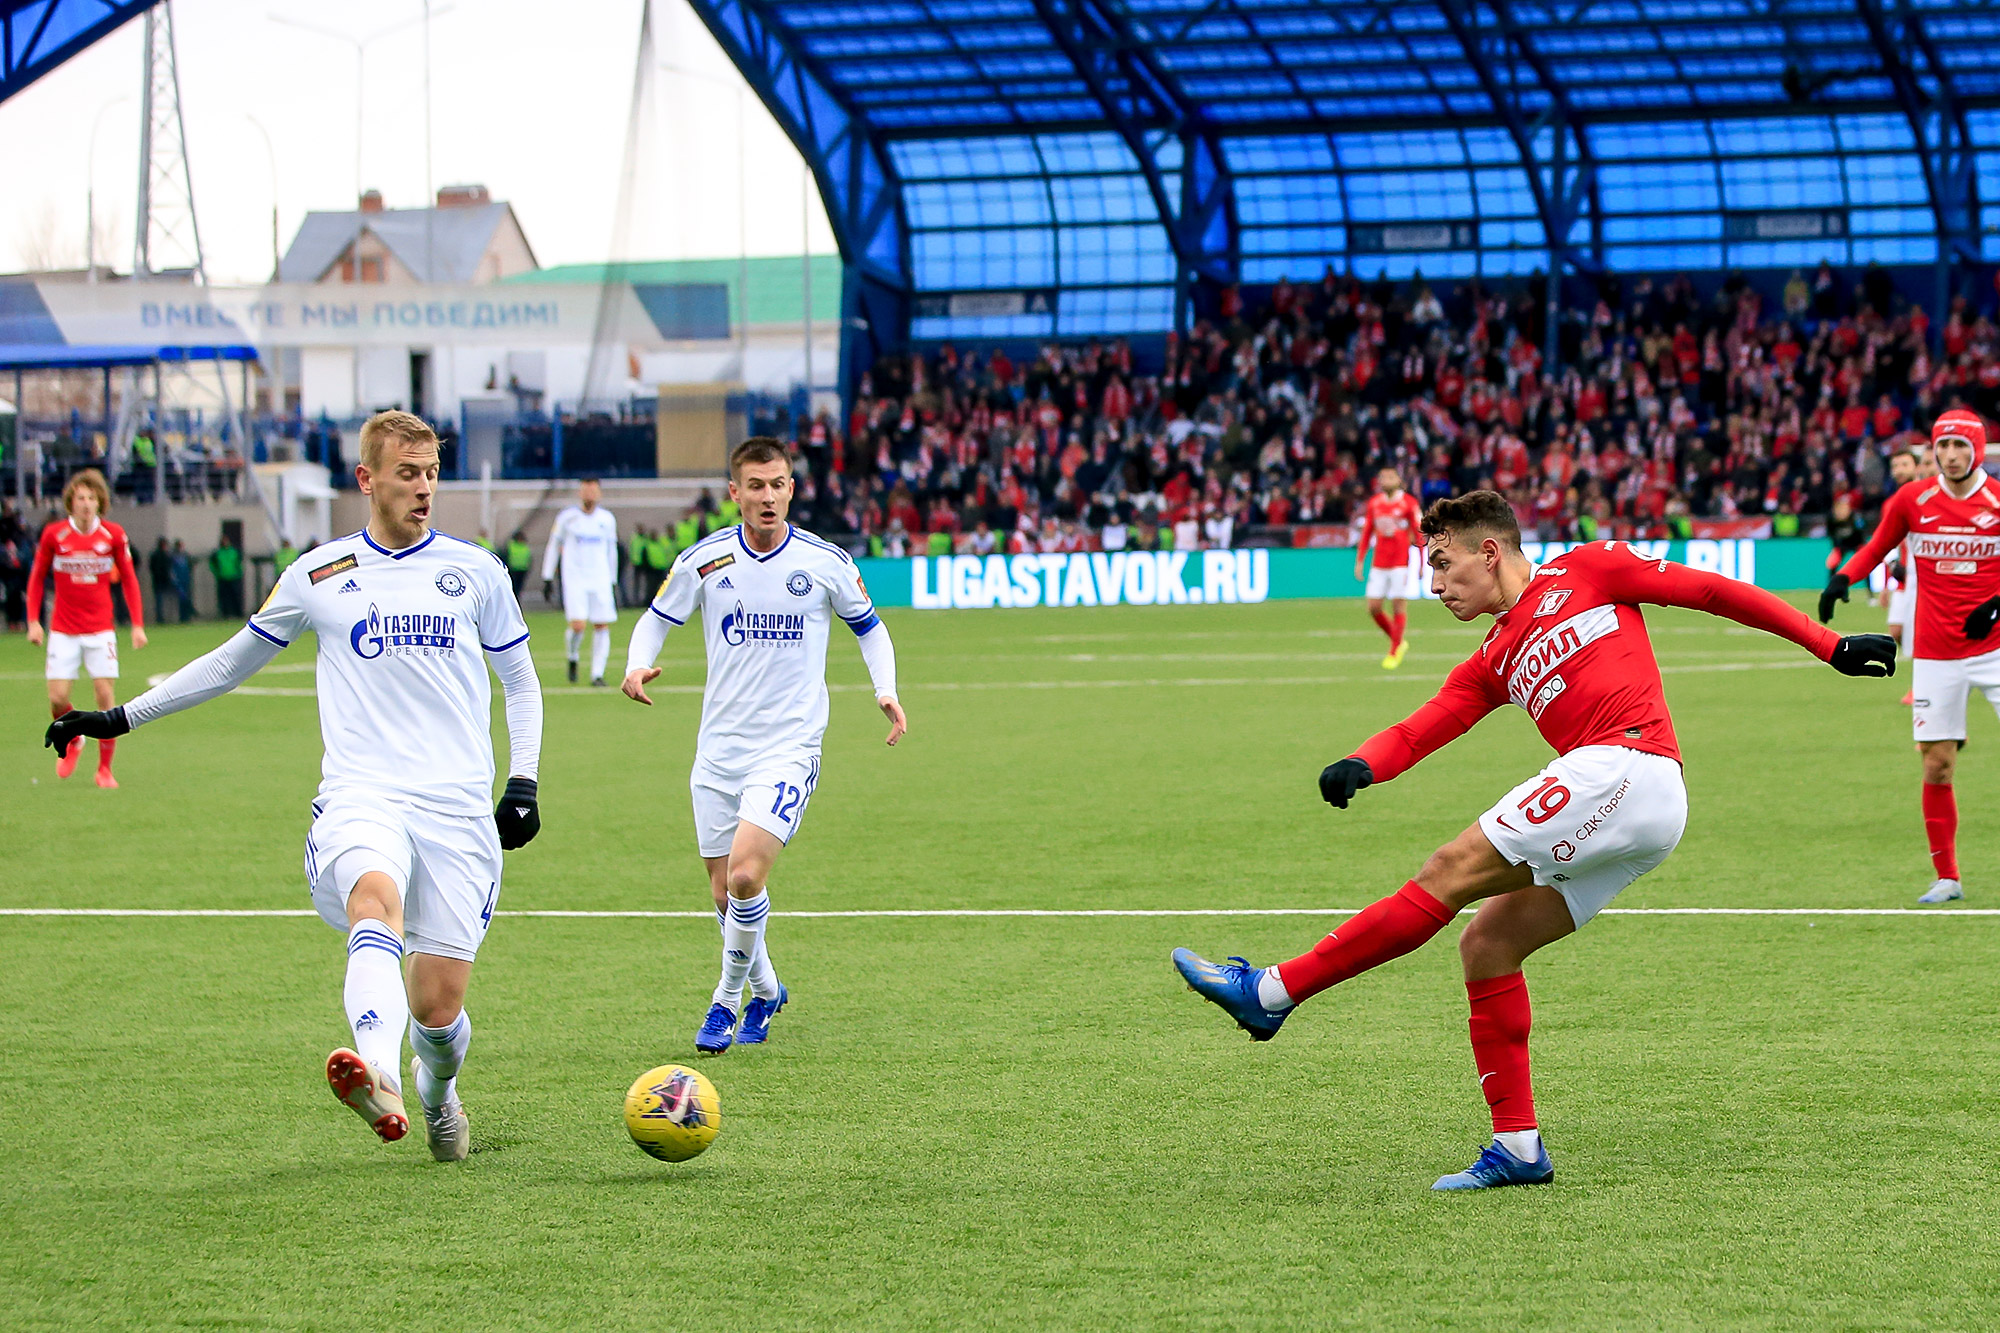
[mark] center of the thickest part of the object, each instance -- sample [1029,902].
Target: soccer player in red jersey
[1569,646]
[1952,526]
[86,554]
[1389,531]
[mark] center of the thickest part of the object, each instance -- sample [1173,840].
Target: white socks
[440,1052]
[572,643]
[378,1008]
[1271,992]
[742,933]
[600,652]
[1524,1144]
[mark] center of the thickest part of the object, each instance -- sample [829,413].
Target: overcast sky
[528,99]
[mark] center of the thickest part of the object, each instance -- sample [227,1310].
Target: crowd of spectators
[1664,407]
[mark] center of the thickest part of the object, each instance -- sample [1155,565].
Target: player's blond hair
[88,479]
[386,428]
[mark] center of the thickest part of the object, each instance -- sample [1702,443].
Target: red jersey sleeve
[128,576]
[1459,703]
[1629,577]
[45,558]
[1894,526]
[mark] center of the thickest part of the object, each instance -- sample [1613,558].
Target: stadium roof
[1034,167]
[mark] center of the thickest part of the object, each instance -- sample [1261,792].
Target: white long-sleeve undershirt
[209,676]
[216,673]
[522,689]
[649,636]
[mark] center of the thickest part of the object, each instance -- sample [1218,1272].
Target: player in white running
[1901,592]
[584,541]
[767,593]
[404,848]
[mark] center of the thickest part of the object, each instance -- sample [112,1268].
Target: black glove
[548,590]
[1983,618]
[518,816]
[1895,571]
[1338,782]
[1865,655]
[1836,591]
[98,726]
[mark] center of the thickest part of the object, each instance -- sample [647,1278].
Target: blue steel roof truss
[38,35]
[1269,136]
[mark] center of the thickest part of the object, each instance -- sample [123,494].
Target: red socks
[1371,937]
[104,749]
[1500,1023]
[1388,626]
[1396,627]
[1941,827]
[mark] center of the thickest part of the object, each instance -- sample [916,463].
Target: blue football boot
[1232,985]
[757,1015]
[718,1030]
[1496,1166]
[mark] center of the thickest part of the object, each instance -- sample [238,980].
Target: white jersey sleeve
[497,614]
[679,595]
[849,598]
[284,615]
[557,531]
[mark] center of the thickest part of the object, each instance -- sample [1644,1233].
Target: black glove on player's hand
[1338,782]
[518,816]
[1983,618]
[1836,591]
[1865,655]
[98,726]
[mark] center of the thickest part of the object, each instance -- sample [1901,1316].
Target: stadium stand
[1269,424]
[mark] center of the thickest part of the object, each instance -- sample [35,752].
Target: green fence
[1152,578]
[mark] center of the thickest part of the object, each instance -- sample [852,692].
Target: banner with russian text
[1210,578]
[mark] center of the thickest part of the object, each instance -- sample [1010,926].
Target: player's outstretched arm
[207,677]
[1889,533]
[649,636]
[879,654]
[1459,703]
[518,813]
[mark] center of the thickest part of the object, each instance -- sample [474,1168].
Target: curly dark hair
[1484,513]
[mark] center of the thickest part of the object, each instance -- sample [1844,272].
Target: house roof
[435,244]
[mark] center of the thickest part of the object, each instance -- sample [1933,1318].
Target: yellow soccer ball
[672,1113]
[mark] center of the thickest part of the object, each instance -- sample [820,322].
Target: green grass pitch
[1771,1122]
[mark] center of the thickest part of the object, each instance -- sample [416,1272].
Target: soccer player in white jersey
[584,542]
[768,594]
[404,849]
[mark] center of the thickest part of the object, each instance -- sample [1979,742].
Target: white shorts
[1395,583]
[594,605]
[97,654]
[1939,689]
[773,797]
[1590,823]
[1903,605]
[446,868]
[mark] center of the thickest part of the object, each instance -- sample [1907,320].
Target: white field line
[1129,683]
[1013,912]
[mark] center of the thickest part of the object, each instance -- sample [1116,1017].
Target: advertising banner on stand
[1210,578]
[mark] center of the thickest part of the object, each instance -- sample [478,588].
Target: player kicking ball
[404,850]
[1568,645]
[1952,529]
[768,594]
[584,543]
[84,554]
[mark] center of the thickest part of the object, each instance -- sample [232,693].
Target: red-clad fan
[86,555]
[1569,646]
[1388,532]
[1952,527]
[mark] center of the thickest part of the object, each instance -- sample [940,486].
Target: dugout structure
[999,169]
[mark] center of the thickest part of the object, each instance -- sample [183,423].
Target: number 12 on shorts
[787,803]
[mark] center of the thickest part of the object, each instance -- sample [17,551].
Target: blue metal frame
[38,35]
